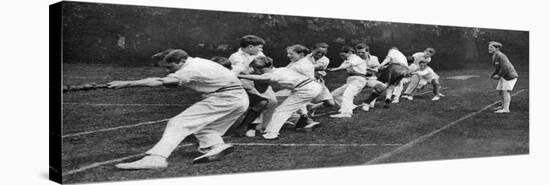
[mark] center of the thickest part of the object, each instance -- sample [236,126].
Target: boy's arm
[344,65]
[147,82]
[255,77]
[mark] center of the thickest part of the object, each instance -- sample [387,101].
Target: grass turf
[482,135]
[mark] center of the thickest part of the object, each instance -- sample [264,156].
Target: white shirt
[204,75]
[421,56]
[395,57]
[284,78]
[241,60]
[303,66]
[372,63]
[323,62]
[427,73]
[358,65]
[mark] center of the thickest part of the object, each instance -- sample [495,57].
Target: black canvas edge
[55,106]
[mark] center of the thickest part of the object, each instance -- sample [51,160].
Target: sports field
[104,127]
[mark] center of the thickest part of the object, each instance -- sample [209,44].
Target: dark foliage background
[129,35]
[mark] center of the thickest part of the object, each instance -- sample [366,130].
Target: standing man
[251,47]
[224,102]
[506,75]
[356,69]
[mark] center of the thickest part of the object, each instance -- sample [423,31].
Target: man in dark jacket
[505,74]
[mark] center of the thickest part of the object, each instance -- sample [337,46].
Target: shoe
[215,154]
[440,95]
[371,105]
[250,133]
[312,124]
[270,136]
[341,115]
[395,100]
[497,108]
[204,150]
[310,112]
[387,103]
[501,111]
[146,163]
[408,97]
[290,123]
[365,107]
[435,98]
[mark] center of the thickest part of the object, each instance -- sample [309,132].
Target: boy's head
[252,44]
[428,52]
[222,61]
[362,50]
[174,60]
[296,52]
[261,64]
[423,64]
[319,50]
[494,46]
[346,51]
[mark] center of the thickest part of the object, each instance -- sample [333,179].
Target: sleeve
[183,76]
[504,65]
[497,63]
[354,61]
[324,62]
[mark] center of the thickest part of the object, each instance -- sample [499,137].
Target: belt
[227,88]
[303,83]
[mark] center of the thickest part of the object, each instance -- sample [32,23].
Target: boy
[257,104]
[372,68]
[506,75]
[303,90]
[422,57]
[251,46]
[394,57]
[224,102]
[356,69]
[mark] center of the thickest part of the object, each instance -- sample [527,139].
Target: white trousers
[297,99]
[207,119]
[344,95]
[264,117]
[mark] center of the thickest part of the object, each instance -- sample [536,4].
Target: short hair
[222,61]
[261,62]
[347,49]
[299,49]
[251,40]
[175,56]
[362,46]
[430,50]
[495,44]
[320,45]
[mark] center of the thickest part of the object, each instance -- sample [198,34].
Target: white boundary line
[425,137]
[114,128]
[122,104]
[98,164]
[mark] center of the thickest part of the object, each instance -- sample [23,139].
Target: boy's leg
[190,121]
[415,79]
[292,104]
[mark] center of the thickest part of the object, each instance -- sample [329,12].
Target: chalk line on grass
[114,128]
[127,104]
[420,139]
[98,164]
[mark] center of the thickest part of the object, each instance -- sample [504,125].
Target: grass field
[104,127]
